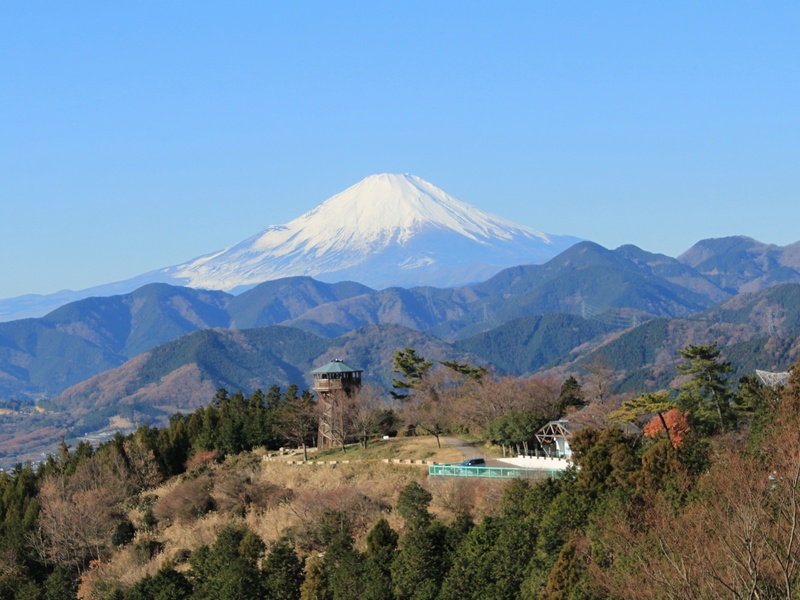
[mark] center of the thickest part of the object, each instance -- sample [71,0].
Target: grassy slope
[286,497]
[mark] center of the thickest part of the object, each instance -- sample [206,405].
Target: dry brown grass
[363,490]
[274,498]
[123,570]
[455,495]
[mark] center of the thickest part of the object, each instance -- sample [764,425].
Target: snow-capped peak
[384,214]
[383,209]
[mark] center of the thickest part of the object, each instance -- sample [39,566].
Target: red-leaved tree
[677,424]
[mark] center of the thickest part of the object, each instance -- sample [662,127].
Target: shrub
[123,534]
[187,501]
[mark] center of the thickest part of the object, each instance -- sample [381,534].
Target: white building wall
[536,462]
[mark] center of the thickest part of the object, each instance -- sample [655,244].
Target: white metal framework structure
[772,379]
[554,438]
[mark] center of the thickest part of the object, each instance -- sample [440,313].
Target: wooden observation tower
[333,384]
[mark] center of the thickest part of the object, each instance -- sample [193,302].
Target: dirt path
[467,448]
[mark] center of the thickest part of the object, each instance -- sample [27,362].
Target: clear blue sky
[137,135]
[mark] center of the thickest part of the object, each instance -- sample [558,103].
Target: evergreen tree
[492,560]
[220,397]
[167,584]
[343,566]
[606,459]
[174,445]
[282,572]
[418,569]
[230,429]
[571,395]
[381,538]
[755,406]
[471,572]
[124,533]
[315,584]
[207,438]
[258,426]
[455,534]
[706,396]
[412,504]
[194,427]
[228,570]
[515,429]
[565,576]
[474,373]
[411,368]
[290,393]
[273,399]
[656,403]
[61,584]
[381,551]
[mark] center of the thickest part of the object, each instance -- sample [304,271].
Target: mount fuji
[386,230]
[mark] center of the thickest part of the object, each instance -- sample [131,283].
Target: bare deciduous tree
[598,379]
[479,404]
[366,410]
[430,409]
[76,517]
[297,421]
[738,538]
[142,464]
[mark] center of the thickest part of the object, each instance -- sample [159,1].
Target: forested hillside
[619,288]
[703,504]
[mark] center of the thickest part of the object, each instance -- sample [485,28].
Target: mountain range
[386,230]
[619,288]
[113,360]
[107,362]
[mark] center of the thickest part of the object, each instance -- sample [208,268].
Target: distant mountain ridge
[741,264]
[161,348]
[623,287]
[386,230]
[756,331]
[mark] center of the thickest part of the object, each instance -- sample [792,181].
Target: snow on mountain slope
[385,230]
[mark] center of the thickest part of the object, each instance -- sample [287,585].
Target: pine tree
[706,396]
[412,505]
[411,368]
[474,373]
[656,403]
[571,395]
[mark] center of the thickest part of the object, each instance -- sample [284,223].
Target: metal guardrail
[491,472]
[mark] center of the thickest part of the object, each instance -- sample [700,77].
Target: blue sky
[139,135]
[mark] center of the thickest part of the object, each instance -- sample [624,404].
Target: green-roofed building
[333,384]
[336,375]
